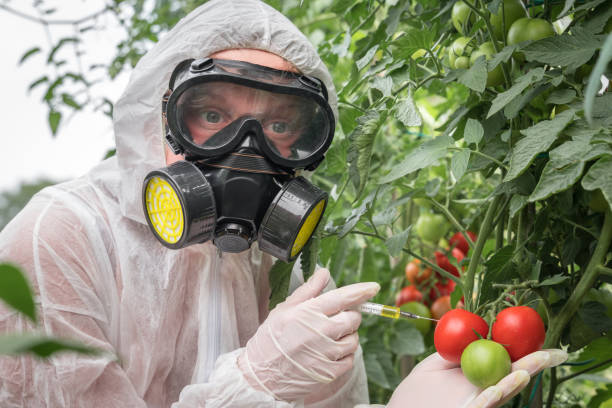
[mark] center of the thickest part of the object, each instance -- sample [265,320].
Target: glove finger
[343,323]
[337,350]
[310,289]
[511,385]
[532,363]
[346,297]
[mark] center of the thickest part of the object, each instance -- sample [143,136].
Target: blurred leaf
[28,54]
[278,278]
[555,280]
[54,120]
[407,113]
[561,96]
[40,345]
[473,132]
[476,76]
[397,242]
[538,138]
[375,371]
[360,150]
[459,163]
[15,290]
[407,340]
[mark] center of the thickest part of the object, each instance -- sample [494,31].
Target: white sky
[29,152]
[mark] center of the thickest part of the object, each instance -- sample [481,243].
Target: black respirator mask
[244,131]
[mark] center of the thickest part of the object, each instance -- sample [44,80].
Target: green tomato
[431,227]
[512,11]
[495,77]
[598,202]
[485,362]
[528,29]
[462,63]
[462,17]
[418,309]
[458,48]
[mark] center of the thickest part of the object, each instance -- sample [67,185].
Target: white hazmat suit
[100,275]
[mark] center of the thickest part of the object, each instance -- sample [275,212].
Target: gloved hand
[435,382]
[306,341]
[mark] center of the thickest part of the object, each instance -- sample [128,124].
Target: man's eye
[211,117]
[280,127]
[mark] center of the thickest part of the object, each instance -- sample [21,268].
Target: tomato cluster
[461,337]
[510,24]
[428,288]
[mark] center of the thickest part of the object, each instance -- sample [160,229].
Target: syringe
[389,311]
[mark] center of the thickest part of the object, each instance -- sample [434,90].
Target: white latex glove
[435,382]
[306,341]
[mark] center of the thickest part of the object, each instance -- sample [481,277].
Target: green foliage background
[518,163]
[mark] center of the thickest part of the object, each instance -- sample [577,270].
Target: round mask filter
[291,219]
[179,205]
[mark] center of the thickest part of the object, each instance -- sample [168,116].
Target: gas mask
[244,130]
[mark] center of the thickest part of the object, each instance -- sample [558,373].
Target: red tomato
[455,331]
[445,264]
[408,294]
[415,274]
[441,289]
[520,329]
[440,307]
[458,241]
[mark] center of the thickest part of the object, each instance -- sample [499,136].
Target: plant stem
[483,234]
[568,310]
[602,270]
[586,370]
[552,387]
[486,156]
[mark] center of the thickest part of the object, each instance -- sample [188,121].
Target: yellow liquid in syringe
[380,310]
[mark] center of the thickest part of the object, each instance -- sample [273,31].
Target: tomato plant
[485,362]
[520,329]
[487,50]
[462,17]
[455,330]
[415,273]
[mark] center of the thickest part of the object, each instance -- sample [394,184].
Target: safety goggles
[212,105]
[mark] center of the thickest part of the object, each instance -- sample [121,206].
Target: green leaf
[309,255]
[37,82]
[517,202]
[59,45]
[566,50]
[367,58]
[605,56]
[459,163]
[519,86]
[383,84]
[538,138]
[598,351]
[561,96]
[558,175]
[68,100]
[360,148]
[593,314]
[278,278]
[473,132]
[502,56]
[424,155]
[396,242]
[407,113]
[28,54]
[407,340]
[598,176]
[15,290]
[555,280]
[475,78]
[40,345]
[375,371]
[412,41]
[54,120]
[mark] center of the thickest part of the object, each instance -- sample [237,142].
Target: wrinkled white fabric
[100,276]
[308,340]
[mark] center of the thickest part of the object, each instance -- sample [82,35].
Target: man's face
[211,107]
[259,57]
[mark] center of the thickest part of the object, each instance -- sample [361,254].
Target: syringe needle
[409,315]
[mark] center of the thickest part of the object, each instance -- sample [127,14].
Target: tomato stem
[485,229]
[585,283]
